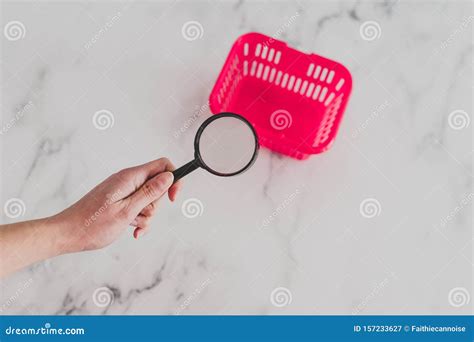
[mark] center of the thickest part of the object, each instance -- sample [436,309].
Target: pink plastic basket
[294,100]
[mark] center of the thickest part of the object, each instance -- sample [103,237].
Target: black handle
[184,170]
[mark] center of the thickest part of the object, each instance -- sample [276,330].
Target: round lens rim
[197,152]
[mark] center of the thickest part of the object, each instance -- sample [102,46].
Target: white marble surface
[285,223]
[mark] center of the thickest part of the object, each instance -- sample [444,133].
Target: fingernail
[165,180]
[169,177]
[136,233]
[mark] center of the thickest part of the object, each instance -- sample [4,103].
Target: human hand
[127,198]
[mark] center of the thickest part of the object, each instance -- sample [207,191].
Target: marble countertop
[379,224]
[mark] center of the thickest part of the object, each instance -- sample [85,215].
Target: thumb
[152,190]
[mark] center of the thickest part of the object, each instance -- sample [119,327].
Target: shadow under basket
[294,100]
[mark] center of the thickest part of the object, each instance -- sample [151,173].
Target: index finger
[176,187]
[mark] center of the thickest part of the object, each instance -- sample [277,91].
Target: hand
[127,198]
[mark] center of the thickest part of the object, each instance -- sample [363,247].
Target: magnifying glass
[225,145]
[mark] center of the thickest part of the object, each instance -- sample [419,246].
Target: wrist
[61,235]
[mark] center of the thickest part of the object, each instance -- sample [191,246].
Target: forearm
[128,197]
[24,243]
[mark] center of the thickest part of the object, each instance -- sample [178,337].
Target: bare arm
[128,197]
[25,243]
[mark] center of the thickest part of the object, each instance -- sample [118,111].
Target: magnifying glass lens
[227,145]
